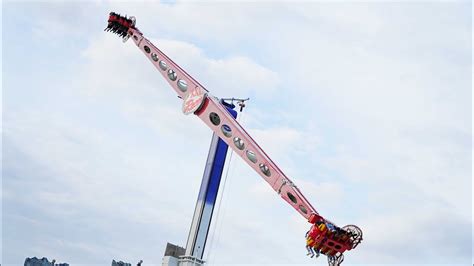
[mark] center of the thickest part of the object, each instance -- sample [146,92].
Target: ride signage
[193,100]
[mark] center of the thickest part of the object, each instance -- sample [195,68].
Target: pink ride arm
[205,107]
[333,241]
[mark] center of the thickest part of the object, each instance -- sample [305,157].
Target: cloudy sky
[366,106]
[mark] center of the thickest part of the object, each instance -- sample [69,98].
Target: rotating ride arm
[197,100]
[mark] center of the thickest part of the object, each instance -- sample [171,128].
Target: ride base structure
[323,237]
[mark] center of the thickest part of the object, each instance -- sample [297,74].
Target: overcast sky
[366,106]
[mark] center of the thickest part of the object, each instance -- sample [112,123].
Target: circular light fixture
[251,156]
[215,119]
[226,130]
[163,65]
[172,75]
[239,143]
[291,197]
[182,85]
[303,209]
[265,170]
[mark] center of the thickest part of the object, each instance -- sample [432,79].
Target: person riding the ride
[322,228]
[309,244]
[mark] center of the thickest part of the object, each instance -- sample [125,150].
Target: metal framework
[198,101]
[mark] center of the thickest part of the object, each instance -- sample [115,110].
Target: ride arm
[209,109]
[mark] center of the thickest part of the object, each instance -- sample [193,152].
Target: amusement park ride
[324,237]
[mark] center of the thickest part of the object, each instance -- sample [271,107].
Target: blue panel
[216,172]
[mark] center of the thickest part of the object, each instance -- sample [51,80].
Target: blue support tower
[208,194]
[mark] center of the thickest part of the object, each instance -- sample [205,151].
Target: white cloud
[232,76]
[226,77]
[427,232]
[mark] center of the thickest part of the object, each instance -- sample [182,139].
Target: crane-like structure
[324,236]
